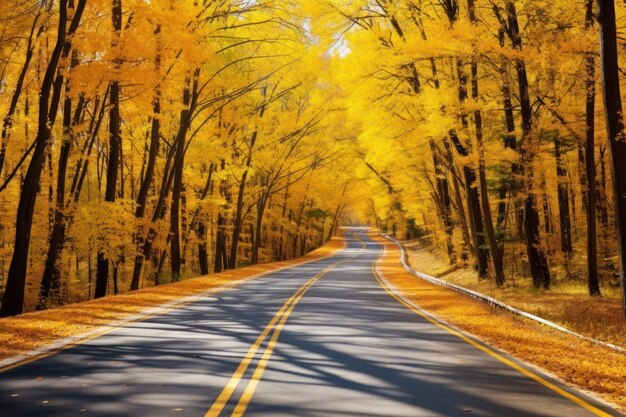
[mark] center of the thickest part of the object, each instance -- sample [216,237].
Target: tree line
[482,120]
[145,143]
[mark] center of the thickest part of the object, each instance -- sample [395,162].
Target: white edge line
[544,373]
[150,312]
[497,303]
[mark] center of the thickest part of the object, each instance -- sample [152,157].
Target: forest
[146,142]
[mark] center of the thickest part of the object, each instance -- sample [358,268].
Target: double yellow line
[274,327]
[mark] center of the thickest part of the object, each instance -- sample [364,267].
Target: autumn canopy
[145,142]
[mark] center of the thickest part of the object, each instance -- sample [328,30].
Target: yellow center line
[276,325]
[232,384]
[526,372]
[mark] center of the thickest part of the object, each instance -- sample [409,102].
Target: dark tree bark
[590,165]
[148,177]
[203,255]
[190,100]
[7,123]
[494,250]
[509,187]
[196,223]
[51,279]
[221,255]
[238,220]
[614,124]
[158,213]
[13,300]
[565,222]
[473,199]
[536,256]
[115,144]
[282,247]
[258,235]
[474,210]
[177,186]
[460,207]
[443,202]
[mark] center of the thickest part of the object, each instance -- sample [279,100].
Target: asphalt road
[317,340]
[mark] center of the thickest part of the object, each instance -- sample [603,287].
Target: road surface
[322,339]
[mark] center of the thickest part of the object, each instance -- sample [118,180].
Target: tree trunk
[615,125]
[115,145]
[142,197]
[13,300]
[259,225]
[7,123]
[474,210]
[494,250]
[197,224]
[460,207]
[590,165]
[565,222]
[238,220]
[158,213]
[536,255]
[51,279]
[177,186]
[203,255]
[190,97]
[443,197]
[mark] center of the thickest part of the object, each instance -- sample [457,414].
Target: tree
[13,300]
[614,123]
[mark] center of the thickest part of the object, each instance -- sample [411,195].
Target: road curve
[321,339]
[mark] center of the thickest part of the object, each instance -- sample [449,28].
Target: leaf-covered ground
[593,368]
[24,333]
[567,303]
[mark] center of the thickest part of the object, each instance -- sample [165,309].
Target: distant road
[322,339]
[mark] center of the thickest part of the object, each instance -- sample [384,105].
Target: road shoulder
[594,370]
[32,336]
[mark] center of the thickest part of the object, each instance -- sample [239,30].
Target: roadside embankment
[592,368]
[30,335]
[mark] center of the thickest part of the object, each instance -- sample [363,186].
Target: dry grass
[21,334]
[594,368]
[567,303]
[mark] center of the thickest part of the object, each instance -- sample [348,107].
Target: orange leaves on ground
[19,335]
[596,368]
